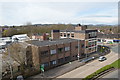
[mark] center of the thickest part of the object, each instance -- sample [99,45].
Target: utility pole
[85,49]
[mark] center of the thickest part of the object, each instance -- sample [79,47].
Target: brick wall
[67,56]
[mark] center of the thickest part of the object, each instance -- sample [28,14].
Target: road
[91,67]
[116,49]
[113,74]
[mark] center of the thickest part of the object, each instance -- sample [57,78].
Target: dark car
[87,60]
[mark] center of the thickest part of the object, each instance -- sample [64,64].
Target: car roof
[101,56]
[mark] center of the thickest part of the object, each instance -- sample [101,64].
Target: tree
[17,52]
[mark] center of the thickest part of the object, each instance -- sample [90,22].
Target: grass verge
[115,64]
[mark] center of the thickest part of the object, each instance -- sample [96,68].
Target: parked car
[88,59]
[102,58]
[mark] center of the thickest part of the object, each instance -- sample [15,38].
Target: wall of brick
[35,57]
[55,35]
[39,59]
[79,36]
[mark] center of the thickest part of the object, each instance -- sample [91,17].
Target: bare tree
[17,53]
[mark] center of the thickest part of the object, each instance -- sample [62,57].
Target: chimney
[80,27]
[55,34]
[44,36]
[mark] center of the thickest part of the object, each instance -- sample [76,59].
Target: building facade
[42,37]
[54,53]
[80,33]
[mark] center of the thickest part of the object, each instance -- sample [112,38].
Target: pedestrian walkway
[55,72]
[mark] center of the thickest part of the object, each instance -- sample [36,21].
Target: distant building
[4,41]
[20,38]
[42,37]
[109,36]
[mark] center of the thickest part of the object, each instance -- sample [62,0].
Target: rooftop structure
[20,38]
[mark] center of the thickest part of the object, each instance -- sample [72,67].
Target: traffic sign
[42,68]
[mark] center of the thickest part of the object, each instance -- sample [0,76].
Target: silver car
[102,58]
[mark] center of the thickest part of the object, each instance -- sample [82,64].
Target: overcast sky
[41,12]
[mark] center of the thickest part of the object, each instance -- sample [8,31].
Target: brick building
[54,53]
[65,46]
[80,33]
[44,36]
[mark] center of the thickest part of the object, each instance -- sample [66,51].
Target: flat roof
[53,42]
[82,31]
[79,31]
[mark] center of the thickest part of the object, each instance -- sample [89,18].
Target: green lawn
[116,64]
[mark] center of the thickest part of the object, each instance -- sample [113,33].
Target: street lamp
[78,56]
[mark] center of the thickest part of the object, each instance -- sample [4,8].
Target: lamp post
[78,56]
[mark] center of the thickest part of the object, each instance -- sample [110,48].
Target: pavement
[63,69]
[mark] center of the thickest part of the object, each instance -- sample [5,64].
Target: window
[72,35]
[60,50]
[64,35]
[92,34]
[45,64]
[61,60]
[60,34]
[89,44]
[67,58]
[67,48]
[99,40]
[76,46]
[68,35]
[95,33]
[89,48]
[44,53]
[53,51]
[53,62]
[86,46]
[82,45]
